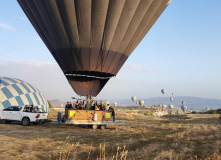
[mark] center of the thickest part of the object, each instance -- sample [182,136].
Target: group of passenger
[89,105]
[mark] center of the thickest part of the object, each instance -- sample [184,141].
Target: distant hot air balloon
[172,93]
[163,91]
[133,98]
[171,106]
[184,108]
[171,99]
[183,102]
[115,104]
[141,103]
[92,39]
[207,108]
[164,106]
[137,102]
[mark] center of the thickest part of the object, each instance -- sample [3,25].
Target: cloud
[45,76]
[137,68]
[27,62]
[7,27]
[50,80]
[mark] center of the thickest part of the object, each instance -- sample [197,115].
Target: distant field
[142,137]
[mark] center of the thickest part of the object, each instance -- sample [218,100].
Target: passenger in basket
[96,107]
[111,109]
[93,105]
[76,105]
[88,106]
[101,107]
[81,106]
[107,107]
[69,105]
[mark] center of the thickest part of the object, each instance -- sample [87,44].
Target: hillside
[195,103]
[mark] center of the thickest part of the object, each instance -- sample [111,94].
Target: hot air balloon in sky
[115,104]
[141,103]
[184,108]
[92,39]
[183,102]
[133,98]
[163,91]
[171,106]
[164,106]
[171,99]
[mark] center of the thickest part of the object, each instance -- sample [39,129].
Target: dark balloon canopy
[92,39]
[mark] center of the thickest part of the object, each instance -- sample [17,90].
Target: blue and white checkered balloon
[16,92]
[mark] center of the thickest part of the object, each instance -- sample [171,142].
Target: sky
[181,53]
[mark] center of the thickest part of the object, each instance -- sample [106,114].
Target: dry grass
[142,137]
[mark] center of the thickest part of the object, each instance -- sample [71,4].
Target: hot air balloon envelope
[164,106]
[141,103]
[184,108]
[133,98]
[92,39]
[163,91]
[15,92]
[171,106]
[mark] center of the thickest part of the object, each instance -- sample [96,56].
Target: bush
[212,111]
[148,114]
[49,104]
[218,111]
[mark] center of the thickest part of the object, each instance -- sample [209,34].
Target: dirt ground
[142,137]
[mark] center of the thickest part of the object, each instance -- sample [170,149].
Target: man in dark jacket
[113,112]
[66,110]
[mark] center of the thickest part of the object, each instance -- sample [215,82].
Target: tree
[50,106]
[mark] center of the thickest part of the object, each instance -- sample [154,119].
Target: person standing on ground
[66,110]
[113,112]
